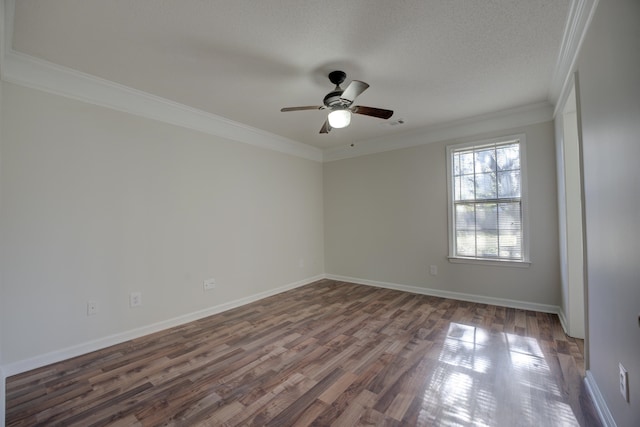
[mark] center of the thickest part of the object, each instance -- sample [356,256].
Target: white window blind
[486,203]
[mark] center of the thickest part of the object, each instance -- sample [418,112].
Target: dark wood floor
[329,353]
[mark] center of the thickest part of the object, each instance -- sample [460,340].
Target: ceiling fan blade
[373,112]
[326,127]
[355,88]
[307,107]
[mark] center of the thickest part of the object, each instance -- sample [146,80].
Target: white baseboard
[563,321]
[87,347]
[596,397]
[503,302]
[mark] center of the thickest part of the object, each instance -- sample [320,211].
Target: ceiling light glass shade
[339,118]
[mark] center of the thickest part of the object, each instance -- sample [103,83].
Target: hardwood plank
[310,414]
[337,388]
[300,404]
[361,403]
[406,393]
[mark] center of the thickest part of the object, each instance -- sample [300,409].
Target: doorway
[570,198]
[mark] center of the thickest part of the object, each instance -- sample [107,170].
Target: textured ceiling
[432,61]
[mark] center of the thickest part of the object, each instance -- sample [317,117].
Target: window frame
[453,148]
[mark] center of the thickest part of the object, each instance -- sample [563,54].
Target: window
[487,207]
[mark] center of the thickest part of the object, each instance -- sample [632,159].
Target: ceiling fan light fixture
[339,118]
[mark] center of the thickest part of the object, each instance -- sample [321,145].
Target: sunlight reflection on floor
[471,387]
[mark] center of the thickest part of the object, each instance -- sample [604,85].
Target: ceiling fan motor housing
[333,100]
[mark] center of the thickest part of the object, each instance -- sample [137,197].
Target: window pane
[466,162]
[508,157]
[509,214]
[487,229]
[486,186]
[466,243]
[487,244]
[465,229]
[465,217]
[510,225]
[487,216]
[467,187]
[509,184]
[485,160]
[510,244]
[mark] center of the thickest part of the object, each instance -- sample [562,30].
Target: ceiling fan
[340,102]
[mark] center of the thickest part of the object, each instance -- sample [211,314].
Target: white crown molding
[100,343]
[500,120]
[502,302]
[578,20]
[598,400]
[36,73]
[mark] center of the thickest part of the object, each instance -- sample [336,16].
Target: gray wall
[98,203]
[386,221]
[609,100]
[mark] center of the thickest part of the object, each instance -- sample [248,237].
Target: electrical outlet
[433,270]
[92,308]
[209,284]
[624,382]
[135,299]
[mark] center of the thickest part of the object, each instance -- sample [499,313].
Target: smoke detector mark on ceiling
[393,123]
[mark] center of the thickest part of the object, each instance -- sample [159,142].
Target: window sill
[486,261]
